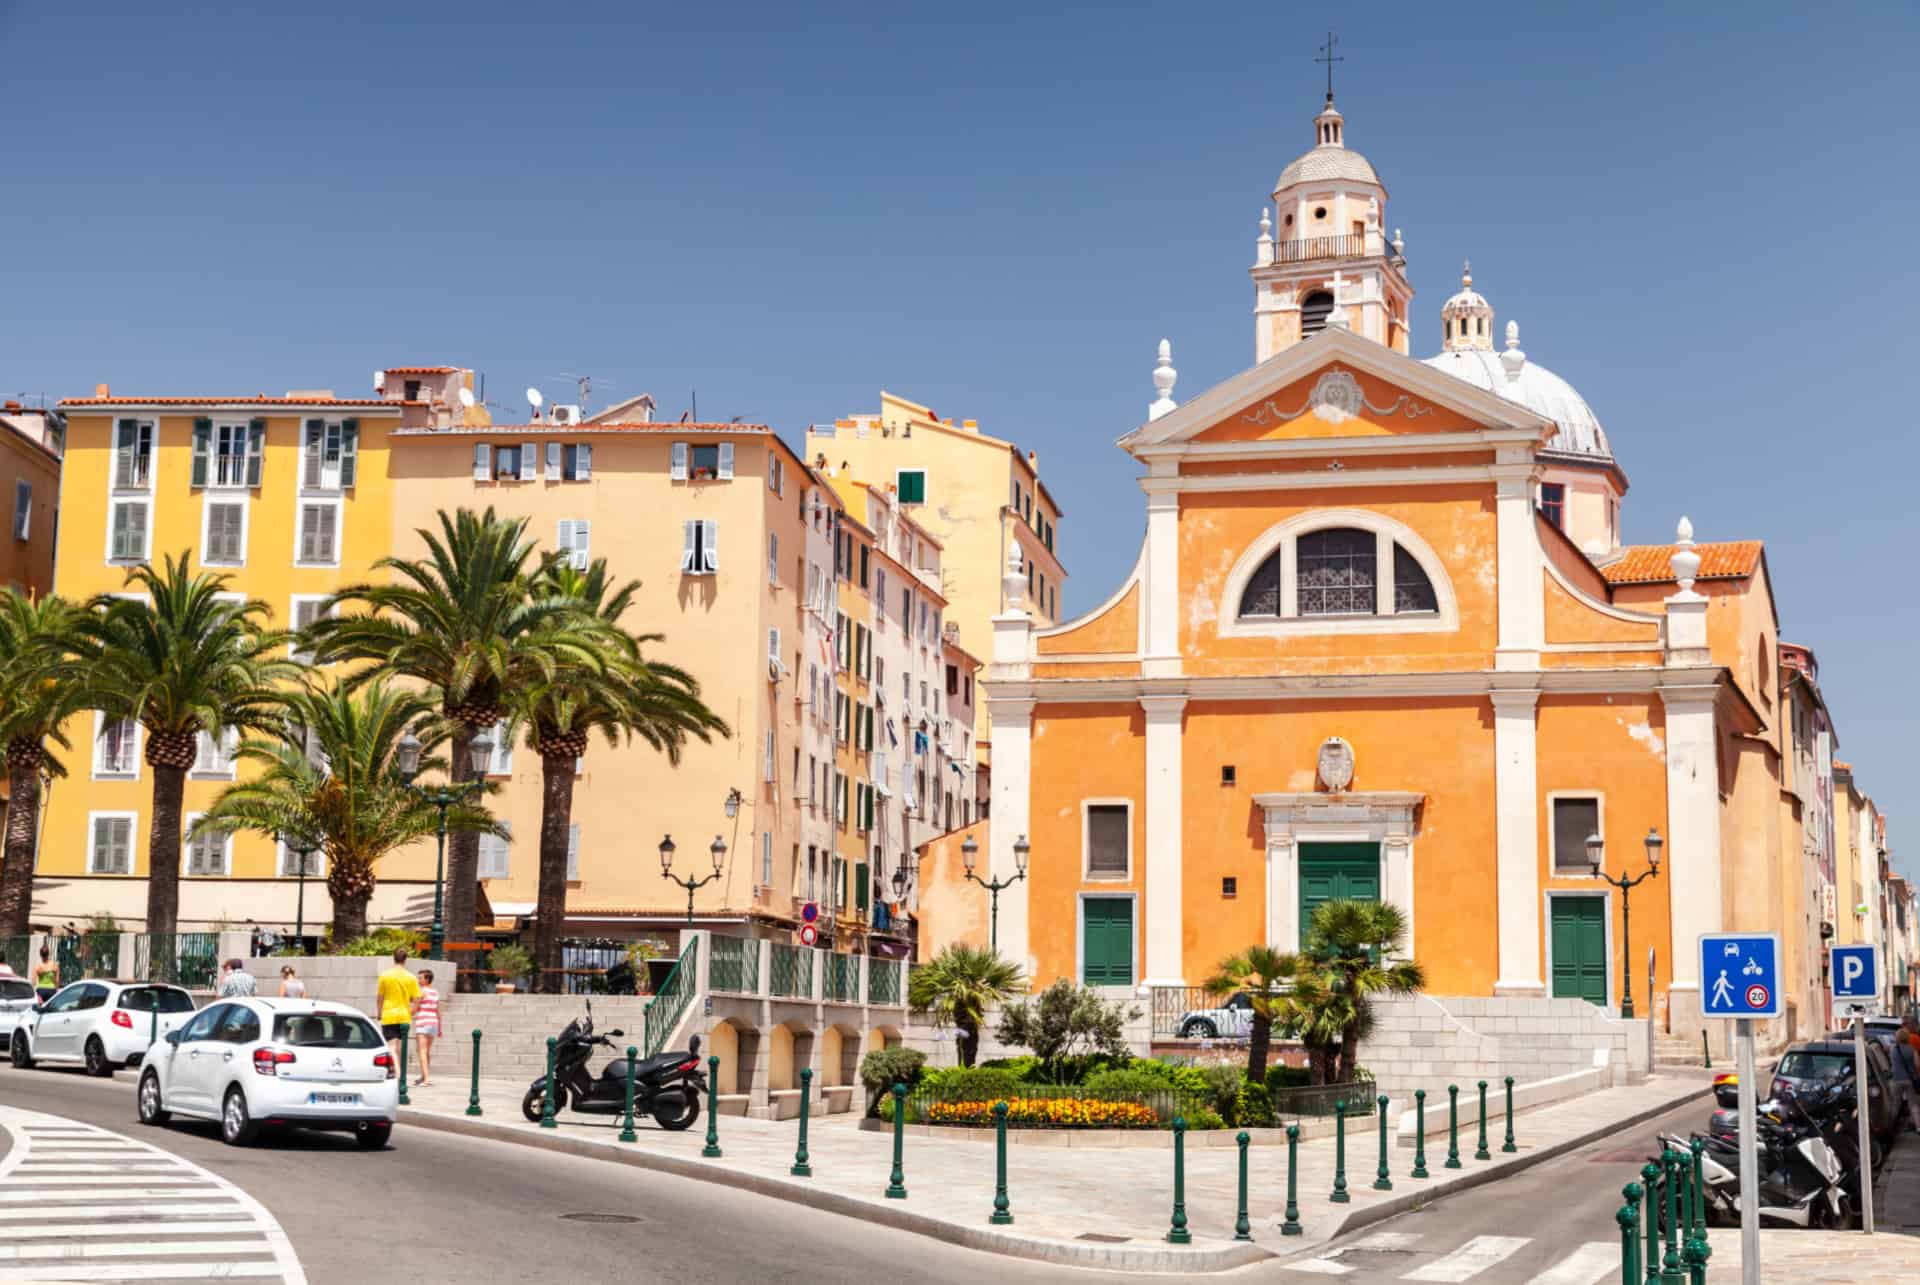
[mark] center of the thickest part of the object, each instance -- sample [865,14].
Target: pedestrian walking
[396,992]
[291,987]
[426,1024]
[46,974]
[1906,1061]
[236,982]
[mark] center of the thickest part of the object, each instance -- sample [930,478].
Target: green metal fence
[16,951]
[183,959]
[791,971]
[670,1002]
[1319,1099]
[735,965]
[843,978]
[883,981]
[87,955]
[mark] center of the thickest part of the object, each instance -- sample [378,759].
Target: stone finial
[1399,242]
[1373,211]
[1466,274]
[1513,360]
[1685,562]
[1163,376]
[1263,245]
[1013,582]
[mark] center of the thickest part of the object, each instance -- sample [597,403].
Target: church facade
[1382,640]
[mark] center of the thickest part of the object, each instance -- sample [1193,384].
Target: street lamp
[970,852]
[719,850]
[301,848]
[1596,849]
[733,803]
[406,756]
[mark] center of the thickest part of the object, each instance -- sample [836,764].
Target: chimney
[101,390]
[1033,462]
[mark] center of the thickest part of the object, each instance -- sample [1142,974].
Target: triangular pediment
[1335,385]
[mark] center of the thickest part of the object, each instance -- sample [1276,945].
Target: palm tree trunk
[463,849]
[966,1042]
[1258,1045]
[350,885]
[1349,1055]
[163,849]
[1324,1063]
[349,914]
[556,816]
[16,867]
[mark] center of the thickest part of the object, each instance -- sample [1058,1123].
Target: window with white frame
[228,453]
[709,462]
[306,609]
[496,853]
[777,483]
[575,539]
[577,462]
[22,508]
[214,756]
[1337,571]
[1575,816]
[766,858]
[133,454]
[700,547]
[223,541]
[110,845]
[330,454]
[319,533]
[290,862]
[208,853]
[773,559]
[1109,840]
[500,762]
[127,530]
[116,747]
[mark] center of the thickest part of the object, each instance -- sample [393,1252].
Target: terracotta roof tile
[421,370]
[236,401]
[1652,563]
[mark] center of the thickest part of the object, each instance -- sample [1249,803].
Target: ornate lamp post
[667,848]
[1596,850]
[407,758]
[970,852]
[301,847]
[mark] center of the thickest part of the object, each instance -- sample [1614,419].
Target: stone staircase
[1676,1050]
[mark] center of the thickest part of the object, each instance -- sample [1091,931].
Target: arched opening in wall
[1314,311]
[723,1042]
[1412,591]
[1337,572]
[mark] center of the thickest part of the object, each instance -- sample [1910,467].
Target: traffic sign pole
[1740,979]
[1749,1158]
[1866,1133]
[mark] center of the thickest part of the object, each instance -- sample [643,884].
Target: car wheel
[372,1137]
[22,1055]
[151,1112]
[1199,1029]
[236,1125]
[97,1064]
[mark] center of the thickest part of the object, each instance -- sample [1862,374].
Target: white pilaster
[1163,584]
[1012,795]
[1693,824]
[1522,615]
[1164,965]
[1516,834]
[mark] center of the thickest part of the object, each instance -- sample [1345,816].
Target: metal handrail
[1305,249]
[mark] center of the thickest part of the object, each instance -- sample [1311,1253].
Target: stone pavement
[1085,1205]
[1891,1256]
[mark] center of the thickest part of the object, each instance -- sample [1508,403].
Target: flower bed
[1048,1113]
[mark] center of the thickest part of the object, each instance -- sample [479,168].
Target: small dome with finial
[1466,318]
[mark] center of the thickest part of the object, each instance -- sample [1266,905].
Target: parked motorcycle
[668,1086]
[1808,1161]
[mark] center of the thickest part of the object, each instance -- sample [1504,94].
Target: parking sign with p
[1855,975]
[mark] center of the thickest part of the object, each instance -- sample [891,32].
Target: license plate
[334,1099]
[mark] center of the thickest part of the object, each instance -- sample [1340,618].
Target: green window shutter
[861,887]
[202,449]
[1106,935]
[256,450]
[349,451]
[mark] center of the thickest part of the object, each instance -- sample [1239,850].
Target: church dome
[1514,377]
[1331,160]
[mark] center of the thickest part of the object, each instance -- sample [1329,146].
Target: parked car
[266,1063]
[100,1025]
[1231,1021]
[1818,1061]
[16,998]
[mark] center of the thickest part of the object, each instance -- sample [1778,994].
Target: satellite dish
[379,381]
[466,398]
[533,396]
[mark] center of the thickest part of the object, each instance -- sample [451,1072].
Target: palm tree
[1263,974]
[328,778]
[183,659]
[1348,962]
[958,986]
[461,622]
[601,683]
[38,637]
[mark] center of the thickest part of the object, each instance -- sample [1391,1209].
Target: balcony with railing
[1309,249]
[790,971]
[843,979]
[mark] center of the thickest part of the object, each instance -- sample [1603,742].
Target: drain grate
[599,1218]
[1101,1238]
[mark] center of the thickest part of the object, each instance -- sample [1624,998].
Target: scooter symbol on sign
[1753,968]
[1723,991]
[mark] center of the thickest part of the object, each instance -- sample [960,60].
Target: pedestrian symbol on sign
[1722,991]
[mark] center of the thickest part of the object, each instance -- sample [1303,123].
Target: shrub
[977,1084]
[1253,1108]
[1281,1076]
[1065,1022]
[883,1068]
[1222,1086]
[381,941]
[509,962]
[1205,1118]
[1126,1079]
[1022,1066]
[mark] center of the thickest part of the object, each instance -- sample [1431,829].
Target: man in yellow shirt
[397,991]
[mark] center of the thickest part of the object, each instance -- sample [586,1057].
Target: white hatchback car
[17,999]
[254,1063]
[100,1025]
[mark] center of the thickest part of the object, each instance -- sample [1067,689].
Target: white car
[100,1025]
[17,998]
[1231,1021]
[254,1063]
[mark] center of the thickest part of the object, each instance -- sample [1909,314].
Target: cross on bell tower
[1328,57]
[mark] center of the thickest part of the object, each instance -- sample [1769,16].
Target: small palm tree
[600,683]
[1263,974]
[182,659]
[461,623]
[38,639]
[328,777]
[1349,962]
[958,986]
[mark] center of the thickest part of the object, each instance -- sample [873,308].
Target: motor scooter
[1808,1166]
[667,1086]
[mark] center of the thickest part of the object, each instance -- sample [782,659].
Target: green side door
[1336,872]
[1106,941]
[1579,948]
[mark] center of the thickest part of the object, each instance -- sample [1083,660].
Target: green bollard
[1178,1233]
[1706,1055]
[1700,1208]
[1002,1212]
[897,1181]
[1482,1153]
[404,1100]
[546,1107]
[1420,1133]
[1381,1180]
[1671,1272]
[626,1130]
[1508,1145]
[801,1169]
[1650,1220]
[1629,1220]
[1340,1196]
[473,1098]
[1242,1229]
[1291,1225]
[712,1150]
[1453,1127]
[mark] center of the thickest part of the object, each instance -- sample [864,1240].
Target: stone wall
[1429,1041]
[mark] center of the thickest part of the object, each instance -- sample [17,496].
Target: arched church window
[1262,594]
[1336,569]
[1314,311]
[1412,591]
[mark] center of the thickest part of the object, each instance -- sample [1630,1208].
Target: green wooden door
[1336,872]
[1106,941]
[1579,941]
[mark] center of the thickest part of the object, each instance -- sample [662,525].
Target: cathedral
[1382,640]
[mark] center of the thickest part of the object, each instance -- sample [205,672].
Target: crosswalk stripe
[195,1205]
[1321,1267]
[212,1270]
[1468,1261]
[195,1228]
[1591,1263]
[67,1249]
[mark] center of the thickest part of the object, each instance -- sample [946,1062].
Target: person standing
[426,1024]
[397,990]
[236,982]
[1906,1060]
[291,987]
[46,974]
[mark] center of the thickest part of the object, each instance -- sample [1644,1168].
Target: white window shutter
[553,461]
[768,768]
[582,543]
[526,462]
[726,460]
[710,543]
[563,538]
[679,470]
[585,458]
[482,461]
[687,529]
[773,558]
[573,852]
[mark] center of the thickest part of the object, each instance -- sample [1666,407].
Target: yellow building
[979,496]
[848,894]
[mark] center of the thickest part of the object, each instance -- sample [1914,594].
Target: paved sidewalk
[1084,1205]
[1891,1256]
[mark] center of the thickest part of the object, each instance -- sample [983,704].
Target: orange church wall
[1609,659]
[1079,752]
[1116,629]
[1369,423]
[1568,560]
[1087,669]
[1570,620]
[1318,464]
[1741,633]
[1457,522]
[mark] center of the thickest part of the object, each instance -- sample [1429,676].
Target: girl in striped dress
[426,1024]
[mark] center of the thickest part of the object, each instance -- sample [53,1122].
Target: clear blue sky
[1705,222]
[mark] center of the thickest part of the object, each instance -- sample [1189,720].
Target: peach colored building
[31,442]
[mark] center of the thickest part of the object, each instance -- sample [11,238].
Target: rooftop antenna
[585,383]
[694,396]
[535,399]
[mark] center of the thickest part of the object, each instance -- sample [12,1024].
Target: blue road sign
[1740,975]
[1856,972]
